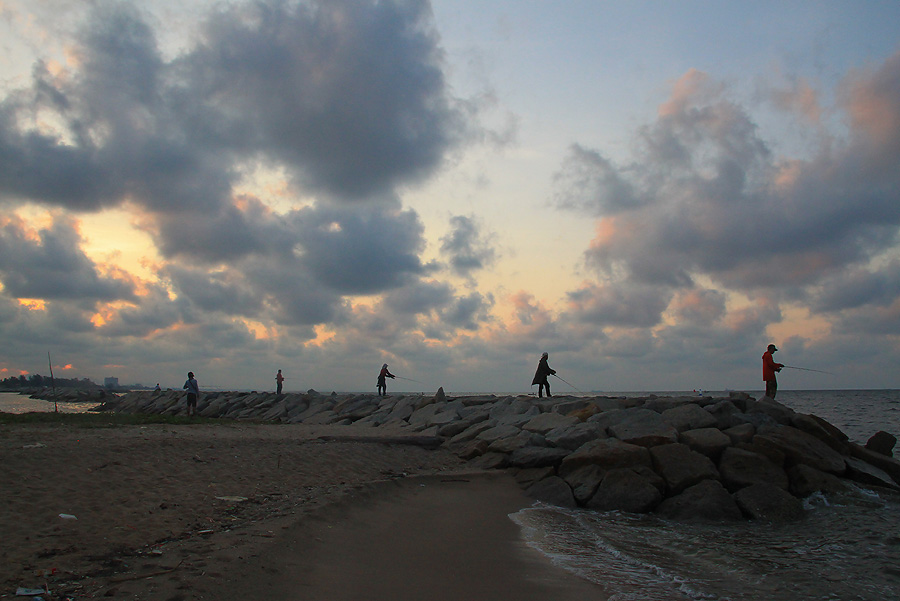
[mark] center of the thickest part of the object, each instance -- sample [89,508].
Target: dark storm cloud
[225,290]
[709,198]
[859,288]
[52,265]
[349,96]
[467,247]
[355,249]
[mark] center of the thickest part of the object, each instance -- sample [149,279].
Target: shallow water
[11,402]
[848,550]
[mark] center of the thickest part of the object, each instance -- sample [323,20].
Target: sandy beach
[168,513]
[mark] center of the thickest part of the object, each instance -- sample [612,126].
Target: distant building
[110,382]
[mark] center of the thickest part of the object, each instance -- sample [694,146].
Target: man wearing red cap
[769,369]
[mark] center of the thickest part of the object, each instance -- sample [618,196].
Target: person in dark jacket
[382,383]
[540,376]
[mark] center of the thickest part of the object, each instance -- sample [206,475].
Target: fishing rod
[569,383]
[409,379]
[807,369]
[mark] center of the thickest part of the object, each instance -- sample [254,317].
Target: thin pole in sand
[52,383]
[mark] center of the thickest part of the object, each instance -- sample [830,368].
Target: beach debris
[232,499]
[67,516]
[31,592]
[36,445]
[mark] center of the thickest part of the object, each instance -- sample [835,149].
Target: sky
[651,192]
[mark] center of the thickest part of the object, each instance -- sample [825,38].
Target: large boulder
[572,437]
[706,501]
[681,467]
[740,433]
[706,441]
[688,417]
[866,473]
[763,501]
[740,468]
[726,413]
[806,480]
[584,482]
[552,490]
[643,427]
[528,457]
[822,430]
[513,443]
[607,453]
[545,422]
[883,443]
[624,489]
[771,408]
[800,447]
[888,464]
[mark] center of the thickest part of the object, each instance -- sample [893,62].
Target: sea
[840,551]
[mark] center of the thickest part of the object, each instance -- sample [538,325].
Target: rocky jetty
[72,395]
[680,457]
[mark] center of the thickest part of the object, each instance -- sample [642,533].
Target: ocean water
[843,551]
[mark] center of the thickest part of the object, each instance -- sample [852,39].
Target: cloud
[620,306]
[468,248]
[50,264]
[710,198]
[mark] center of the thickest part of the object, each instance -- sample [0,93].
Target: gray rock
[739,468]
[773,409]
[706,441]
[643,427]
[584,482]
[490,461]
[461,425]
[706,501]
[741,433]
[681,467]
[552,490]
[529,457]
[865,473]
[498,432]
[764,501]
[528,476]
[800,447]
[888,464]
[688,417]
[520,440]
[545,422]
[625,490]
[608,453]
[883,443]
[822,430]
[572,437]
[473,431]
[727,414]
[470,450]
[805,480]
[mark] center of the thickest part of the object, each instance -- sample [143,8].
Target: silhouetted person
[157,389]
[769,369]
[193,393]
[382,383]
[279,381]
[540,376]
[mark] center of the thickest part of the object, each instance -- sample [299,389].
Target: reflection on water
[11,402]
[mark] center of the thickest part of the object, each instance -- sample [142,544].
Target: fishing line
[819,371]
[569,383]
[409,380]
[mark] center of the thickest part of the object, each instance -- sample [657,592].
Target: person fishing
[382,383]
[540,376]
[193,393]
[769,369]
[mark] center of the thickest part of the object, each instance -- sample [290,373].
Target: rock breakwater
[681,457]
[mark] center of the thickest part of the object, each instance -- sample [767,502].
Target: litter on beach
[30,592]
[67,516]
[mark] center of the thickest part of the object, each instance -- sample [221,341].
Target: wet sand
[253,512]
